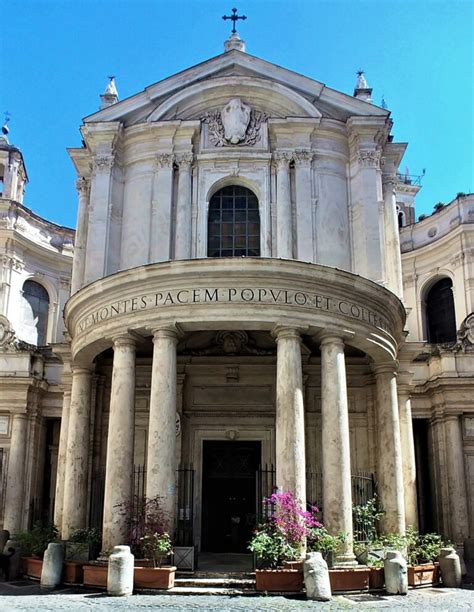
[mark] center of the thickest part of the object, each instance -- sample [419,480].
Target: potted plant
[280,540]
[320,540]
[83,546]
[422,554]
[34,543]
[151,543]
[366,518]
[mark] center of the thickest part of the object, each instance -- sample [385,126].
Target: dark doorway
[228,495]
[426,509]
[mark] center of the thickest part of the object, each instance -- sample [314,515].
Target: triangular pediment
[284,92]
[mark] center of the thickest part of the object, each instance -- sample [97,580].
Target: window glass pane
[233,223]
[38,300]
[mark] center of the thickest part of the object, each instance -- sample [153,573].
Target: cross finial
[234,17]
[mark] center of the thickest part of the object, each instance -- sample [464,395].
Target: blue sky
[55,56]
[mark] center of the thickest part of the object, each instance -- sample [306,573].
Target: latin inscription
[232,295]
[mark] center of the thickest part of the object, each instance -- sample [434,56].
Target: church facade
[246,268]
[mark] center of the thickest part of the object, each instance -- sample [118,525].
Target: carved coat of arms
[236,124]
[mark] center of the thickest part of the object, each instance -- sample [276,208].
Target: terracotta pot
[376,578]
[283,580]
[350,579]
[95,575]
[33,567]
[143,562]
[297,565]
[72,572]
[425,574]
[154,577]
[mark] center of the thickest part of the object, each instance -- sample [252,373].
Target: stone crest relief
[465,335]
[6,332]
[237,124]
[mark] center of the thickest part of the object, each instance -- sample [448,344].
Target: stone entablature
[235,294]
[459,211]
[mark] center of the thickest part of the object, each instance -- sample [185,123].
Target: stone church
[246,302]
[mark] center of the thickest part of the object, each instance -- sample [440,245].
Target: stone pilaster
[15,487]
[336,454]
[459,517]
[160,226]
[77,456]
[289,424]
[283,205]
[80,242]
[408,455]
[389,469]
[120,440]
[98,224]
[393,257]
[183,207]
[161,453]
[304,213]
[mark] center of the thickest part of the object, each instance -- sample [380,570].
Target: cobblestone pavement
[24,596]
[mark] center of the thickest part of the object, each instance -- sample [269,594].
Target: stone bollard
[395,569]
[14,565]
[120,574]
[316,577]
[450,566]
[52,571]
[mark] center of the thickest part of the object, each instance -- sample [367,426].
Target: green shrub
[35,541]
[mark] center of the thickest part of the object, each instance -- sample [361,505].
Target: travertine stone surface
[316,577]
[395,570]
[13,515]
[52,570]
[456,478]
[77,456]
[283,203]
[389,466]
[62,458]
[408,456]
[120,572]
[119,467]
[337,495]
[161,456]
[183,208]
[289,421]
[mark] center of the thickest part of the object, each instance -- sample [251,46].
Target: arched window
[440,317]
[233,223]
[35,315]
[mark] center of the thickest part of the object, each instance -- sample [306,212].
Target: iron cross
[234,17]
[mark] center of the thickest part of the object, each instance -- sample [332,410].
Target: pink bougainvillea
[287,517]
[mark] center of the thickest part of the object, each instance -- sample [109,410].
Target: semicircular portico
[252,294]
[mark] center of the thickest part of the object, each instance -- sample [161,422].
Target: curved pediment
[263,95]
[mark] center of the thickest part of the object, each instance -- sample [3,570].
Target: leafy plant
[392,541]
[460,194]
[272,548]
[36,540]
[148,526]
[86,536]
[282,536]
[439,206]
[421,217]
[156,546]
[424,548]
[366,517]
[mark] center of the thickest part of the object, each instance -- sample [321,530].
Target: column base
[347,560]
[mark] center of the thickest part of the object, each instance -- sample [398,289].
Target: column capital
[387,367]
[83,185]
[166,331]
[164,160]
[126,339]
[330,335]
[303,157]
[80,370]
[284,332]
[184,160]
[281,159]
[452,417]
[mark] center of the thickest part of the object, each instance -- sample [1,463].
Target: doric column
[160,225]
[459,521]
[408,455]
[14,493]
[77,455]
[390,473]
[82,186]
[304,212]
[283,199]
[119,463]
[183,207]
[161,454]
[98,224]
[393,257]
[289,424]
[62,454]
[336,454]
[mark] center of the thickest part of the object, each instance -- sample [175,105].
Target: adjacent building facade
[246,268]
